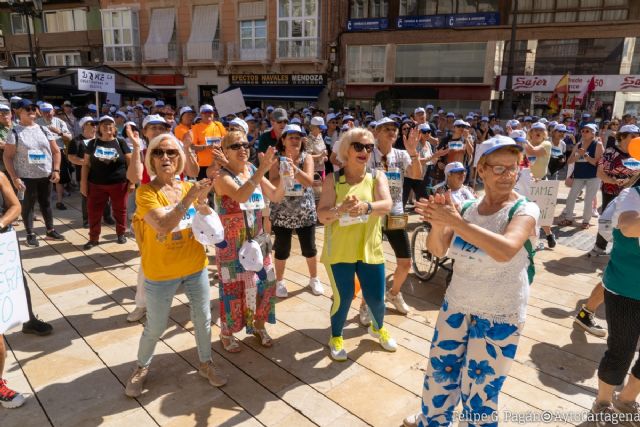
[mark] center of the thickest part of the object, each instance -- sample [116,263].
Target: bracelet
[57,170]
[369,208]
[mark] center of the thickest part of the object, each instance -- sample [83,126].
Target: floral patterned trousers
[469,359]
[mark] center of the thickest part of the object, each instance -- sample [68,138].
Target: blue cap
[513,123]
[538,125]
[496,143]
[454,167]
[560,128]
[292,129]
[24,103]
[518,135]
[424,128]
[527,119]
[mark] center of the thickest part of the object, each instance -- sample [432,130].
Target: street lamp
[32,9]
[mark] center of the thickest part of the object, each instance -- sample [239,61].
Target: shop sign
[367,24]
[604,83]
[451,21]
[277,79]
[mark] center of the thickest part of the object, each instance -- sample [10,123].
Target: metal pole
[506,110]
[32,57]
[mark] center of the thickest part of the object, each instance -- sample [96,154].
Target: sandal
[263,336]
[585,225]
[565,222]
[232,346]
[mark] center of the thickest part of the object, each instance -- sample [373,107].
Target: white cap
[513,123]
[121,114]
[250,118]
[538,125]
[154,119]
[292,129]
[92,107]
[384,121]
[331,116]
[15,99]
[239,122]
[424,127]
[208,229]
[430,107]
[493,144]
[206,108]
[5,107]
[454,167]
[629,129]
[106,118]
[461,122]
[46,107]
[85,120]
[419,110]
[592,126]
[295,121]
[518,135]
[186,109]
[318,121]
[159,103]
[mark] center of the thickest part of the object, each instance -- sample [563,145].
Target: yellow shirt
[540,163]
[168,257]
[201,132]
[180,131]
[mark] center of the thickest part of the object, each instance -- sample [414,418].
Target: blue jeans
[159,296]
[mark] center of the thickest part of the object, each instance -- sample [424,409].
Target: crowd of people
[154,172]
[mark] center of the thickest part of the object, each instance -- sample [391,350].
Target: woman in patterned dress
[246,300]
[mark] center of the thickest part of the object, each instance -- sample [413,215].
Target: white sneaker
[397,301]
[384,338]
[338,353]
[137,314]
[595,213]
[281,289]
[316,286]
[365,316]
[411,420]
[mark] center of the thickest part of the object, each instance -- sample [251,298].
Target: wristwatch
[369,208]
[57,170]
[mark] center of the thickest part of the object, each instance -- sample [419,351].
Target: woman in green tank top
[351,204]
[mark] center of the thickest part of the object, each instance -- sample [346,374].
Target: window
[441,63]
[519,63]
[63,59]
[635,60]
[297,28]
[366,64]
[22,59]
[161,40]
[253,39]
[59,21]
[369,9]
[441,7]
[120,35]
[204,41]
[549,11]
[19,23]
[579,56]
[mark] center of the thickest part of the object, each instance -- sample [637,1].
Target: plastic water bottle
[20,194]
[286,172]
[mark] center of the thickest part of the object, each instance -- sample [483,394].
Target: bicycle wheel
[425,265]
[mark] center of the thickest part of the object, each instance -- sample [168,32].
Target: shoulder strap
[244,213]
[15,135]
[515,207]
[528,246]
[44,131]
[466,205]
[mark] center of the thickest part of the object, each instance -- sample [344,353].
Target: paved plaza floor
[76,376]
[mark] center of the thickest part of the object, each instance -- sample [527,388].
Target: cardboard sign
[114,99]
[545,195]
[96,81]
[230,102]
[13,301]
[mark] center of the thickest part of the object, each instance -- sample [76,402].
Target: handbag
[396,222]
[568,181]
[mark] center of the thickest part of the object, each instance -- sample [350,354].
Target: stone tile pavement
[76,376]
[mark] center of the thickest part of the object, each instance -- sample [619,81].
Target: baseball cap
[592,126]
[527,119]
[5,107]
[269,109]
[543,120]
[586,115]
[496,143]
[454,167]
[92,107]
[384,121]
[45,106]
[206,108]
[331,116]
[538,125]
[629,129]
[450,114]
[154,119]
[419,110]
[347,118]
[430,107]
[560,128]
[132,124]
[424,128]
[186,109]
[23,103]
[513,123]
[239,122]
[106,118]
[295,121]
[279,114]
[518,135]
[460,122]
[85,120]
[250,118]
[373,124]
[292,129]
[484,119]
[15,99]
[159,103]
[318,121]
[121,114]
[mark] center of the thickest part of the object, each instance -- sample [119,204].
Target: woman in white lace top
[484,309]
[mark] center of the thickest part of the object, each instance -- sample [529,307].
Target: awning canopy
[203,30]
[280,92]
[163,22]
[16,87]
[69,83]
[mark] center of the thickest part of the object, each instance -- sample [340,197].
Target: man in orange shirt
[185,120]
[206,134]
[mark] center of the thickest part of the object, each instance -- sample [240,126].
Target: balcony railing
[299,49]
[236,53]
[173,54]
[203,52]
[122,54]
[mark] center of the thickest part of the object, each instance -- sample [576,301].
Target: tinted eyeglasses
[30,109]
[501,170]
[359,147]
[237,146]
[171,153]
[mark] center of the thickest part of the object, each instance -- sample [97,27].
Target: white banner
[545,195]
[13,301]
[114,99]
[230,102]
[604,83]
[96,81]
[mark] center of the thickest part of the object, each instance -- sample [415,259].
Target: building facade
[191,50]
[452,53]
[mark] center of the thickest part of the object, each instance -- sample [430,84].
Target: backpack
[531,269]
[42,128]
[605,221]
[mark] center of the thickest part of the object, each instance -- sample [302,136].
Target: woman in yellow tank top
[351,205]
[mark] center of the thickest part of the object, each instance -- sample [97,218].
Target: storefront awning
[280,92]
[162,26]
[16,87]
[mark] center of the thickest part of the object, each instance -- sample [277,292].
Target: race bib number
[186,221]
[347,220]
[294,190]
[463,249]
[212,140]
[255,202]
[394,177]
[455,145]
[106,153]
[556,152]
[36,157]
[631,164]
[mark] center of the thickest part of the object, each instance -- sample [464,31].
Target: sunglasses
[30,109]
[282,122]
[238,146]
[585,131]
[358,146]
[159,153]
[501,170]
